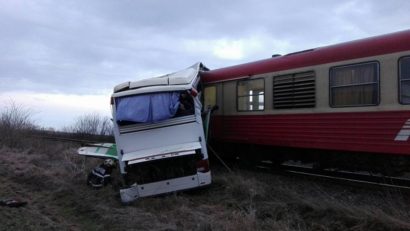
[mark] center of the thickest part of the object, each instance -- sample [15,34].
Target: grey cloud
[86,46]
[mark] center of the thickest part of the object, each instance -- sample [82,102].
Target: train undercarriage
[386,164]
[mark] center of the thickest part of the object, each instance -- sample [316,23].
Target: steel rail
[354,177]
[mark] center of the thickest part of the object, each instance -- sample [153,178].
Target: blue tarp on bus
[149,108]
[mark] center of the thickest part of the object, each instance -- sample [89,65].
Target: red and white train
[350,97]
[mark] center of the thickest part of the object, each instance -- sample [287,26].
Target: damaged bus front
[159,134]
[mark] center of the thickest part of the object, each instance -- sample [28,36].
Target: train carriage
[353,96]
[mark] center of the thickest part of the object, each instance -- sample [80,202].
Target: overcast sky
[61,59]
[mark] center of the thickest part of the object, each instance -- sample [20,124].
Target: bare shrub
[92,124]
[15,123]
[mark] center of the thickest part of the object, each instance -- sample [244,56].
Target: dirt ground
[51,178]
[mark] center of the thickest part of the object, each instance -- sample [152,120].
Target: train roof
[378,45]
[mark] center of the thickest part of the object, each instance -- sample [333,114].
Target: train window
[354,85]
[209,96]
[294,91]
[251,95]
[404,75]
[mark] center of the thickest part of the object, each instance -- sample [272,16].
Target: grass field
[51,178]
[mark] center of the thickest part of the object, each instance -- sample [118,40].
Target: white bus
[159,134]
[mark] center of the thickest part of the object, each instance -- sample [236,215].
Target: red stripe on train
[364,131]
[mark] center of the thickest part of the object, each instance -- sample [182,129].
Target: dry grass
[51,178]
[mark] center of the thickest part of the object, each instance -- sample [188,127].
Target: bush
[15,123]
[92,124]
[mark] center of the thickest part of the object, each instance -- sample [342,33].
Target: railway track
[362,178]
[353,177]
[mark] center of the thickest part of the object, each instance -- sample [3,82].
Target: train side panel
[372,128]
[361,131]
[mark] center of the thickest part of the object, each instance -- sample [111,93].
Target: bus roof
[180,80]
